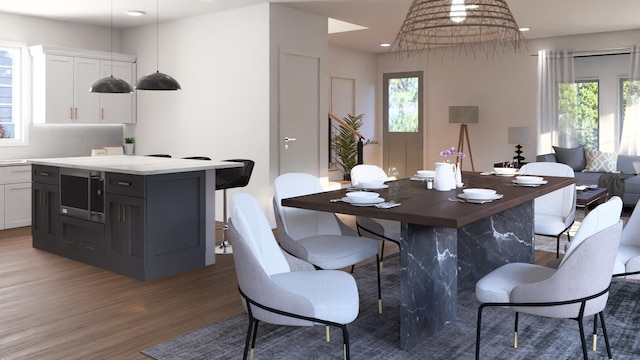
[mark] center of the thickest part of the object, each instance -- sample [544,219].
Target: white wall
[361,66]
[227,107]
[222,111]
[504,88]
[57,140]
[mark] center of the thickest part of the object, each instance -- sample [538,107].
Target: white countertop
[13,163]
[136,165]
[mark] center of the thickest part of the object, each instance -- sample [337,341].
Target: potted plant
[128,145]
[345,144]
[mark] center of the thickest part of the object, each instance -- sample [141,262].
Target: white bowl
[529,179]
[505,171]
[371,184]
[362,196]
[426,173]
[479,194]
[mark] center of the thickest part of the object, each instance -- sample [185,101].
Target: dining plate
[530,184]
[376,201]
[466,198]
[369,187]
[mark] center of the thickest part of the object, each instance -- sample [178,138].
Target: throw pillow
[598,161]
[573,157]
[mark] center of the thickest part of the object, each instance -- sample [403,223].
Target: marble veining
[437,262]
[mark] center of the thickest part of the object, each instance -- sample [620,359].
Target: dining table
[446,244]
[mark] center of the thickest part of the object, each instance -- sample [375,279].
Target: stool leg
[225,247]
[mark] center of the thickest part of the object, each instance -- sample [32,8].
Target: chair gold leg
[344,351]
[381,262]
[594,342]
[379,306]
[515,340]
[251,354]
[327,333]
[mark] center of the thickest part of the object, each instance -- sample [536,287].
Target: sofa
[618,173]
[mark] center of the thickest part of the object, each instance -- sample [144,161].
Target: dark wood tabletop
[432,207]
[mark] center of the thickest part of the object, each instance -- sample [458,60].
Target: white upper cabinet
[61,81]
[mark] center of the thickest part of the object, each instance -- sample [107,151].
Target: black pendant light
[111,84]
[157,80]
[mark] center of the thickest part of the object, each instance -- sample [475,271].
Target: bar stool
[228,178]
[160,155]
[197,158]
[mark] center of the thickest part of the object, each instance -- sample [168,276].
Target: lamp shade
[519,135]
[111,85]
[463,114]
[157,81]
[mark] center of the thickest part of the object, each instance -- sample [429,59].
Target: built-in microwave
[82,194]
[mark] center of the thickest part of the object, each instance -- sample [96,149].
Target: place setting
[423,175]
[528,181]
[366,198]
[502,171]
[477,196]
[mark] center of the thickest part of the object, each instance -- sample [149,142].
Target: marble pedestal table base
[436,262]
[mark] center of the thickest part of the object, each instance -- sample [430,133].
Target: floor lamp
[464,115]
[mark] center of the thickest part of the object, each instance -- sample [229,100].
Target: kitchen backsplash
[52,141]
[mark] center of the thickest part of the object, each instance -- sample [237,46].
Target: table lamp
[464,115]
[519,135]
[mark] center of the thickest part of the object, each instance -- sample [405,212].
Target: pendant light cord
[111,40]
[157,35]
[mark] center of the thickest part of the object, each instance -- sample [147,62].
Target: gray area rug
[376,336]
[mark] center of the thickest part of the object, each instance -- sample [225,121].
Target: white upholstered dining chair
[280,289]
[317,236]
[554,212]
[376,228]
[578,287]
[628,258]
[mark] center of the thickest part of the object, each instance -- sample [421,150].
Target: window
[625,90]
[11,125]
[578,104]
[403,104]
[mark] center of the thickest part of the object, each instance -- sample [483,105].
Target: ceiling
[383,18]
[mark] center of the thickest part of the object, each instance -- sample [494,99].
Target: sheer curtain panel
[556,100]
[629,143]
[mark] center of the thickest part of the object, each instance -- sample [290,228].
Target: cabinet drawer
[45,174]
[15,174]
[125,184]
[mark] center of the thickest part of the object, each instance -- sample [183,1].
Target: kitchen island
[145,217]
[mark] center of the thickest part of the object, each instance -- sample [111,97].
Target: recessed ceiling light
[385,44]
[523,29]
[135,12]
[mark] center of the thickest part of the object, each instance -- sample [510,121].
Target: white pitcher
[444,179]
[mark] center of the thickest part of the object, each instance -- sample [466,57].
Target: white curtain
[629,143]
[556,120]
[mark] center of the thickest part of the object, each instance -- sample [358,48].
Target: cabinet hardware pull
[118,220]
[101,113]
[91,248]
[70,242]
[76,111]
[124,183]
[44,174]
[124,214]
[71,113]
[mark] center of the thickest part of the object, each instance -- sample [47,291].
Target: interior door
[299,97]
[403,125]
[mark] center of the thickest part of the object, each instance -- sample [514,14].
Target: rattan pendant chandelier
[485,26]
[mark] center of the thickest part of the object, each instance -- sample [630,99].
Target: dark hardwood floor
[55,308]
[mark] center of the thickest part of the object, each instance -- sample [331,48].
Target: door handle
[286,141]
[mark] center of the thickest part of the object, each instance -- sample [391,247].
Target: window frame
[19,93]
